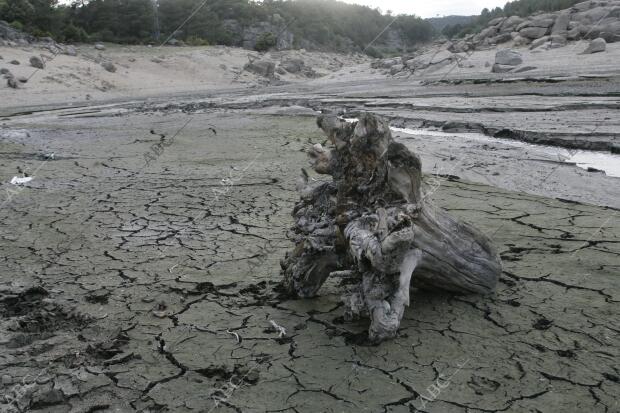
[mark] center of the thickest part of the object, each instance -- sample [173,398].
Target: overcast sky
[432,8]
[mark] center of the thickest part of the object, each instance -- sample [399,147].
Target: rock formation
[373,225]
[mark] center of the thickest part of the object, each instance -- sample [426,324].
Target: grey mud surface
[134,287]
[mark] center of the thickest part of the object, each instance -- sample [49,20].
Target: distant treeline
[520,8]
[326,23]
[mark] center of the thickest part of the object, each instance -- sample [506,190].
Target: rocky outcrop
[12,35]
[586,20]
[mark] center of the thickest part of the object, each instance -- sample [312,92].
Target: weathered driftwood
[372,224]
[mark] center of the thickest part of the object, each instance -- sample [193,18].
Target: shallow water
[604,161]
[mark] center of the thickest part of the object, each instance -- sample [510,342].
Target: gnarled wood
[373,224]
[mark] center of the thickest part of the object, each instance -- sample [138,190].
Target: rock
[70,51]
[4,71]
[508,57]
[500,38]
[533,32]
[280,71]
[557,40]
[596,46]
[396,69]
[497,68]
[577,32]
[22,79]
[387,63]
[521,41]
[293,65]
[6,379]
[615,148]
[99,46]
[539,42]
[496,21]
[261,67]
[510,23]
[37,62]
[11,82]
[561,23]
[488,32]
[109,66]
[14,62]
[460,47]
[524,69]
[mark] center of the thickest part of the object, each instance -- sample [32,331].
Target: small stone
[14,62]
[109,66]
[37,62]
[4,71]
[22,79]
[99,46]
[6,379]
[12,83]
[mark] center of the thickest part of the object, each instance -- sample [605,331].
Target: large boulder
[496,21]
[261,67]
[508,57]
[500,38]
[396,69]
[488,32]
[510,23]
[561,23]
[533,32]
[596,46]
[539,42]
[577,32]
[36,61]
[293,65]
[521,41]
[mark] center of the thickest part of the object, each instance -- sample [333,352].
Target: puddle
[604,161]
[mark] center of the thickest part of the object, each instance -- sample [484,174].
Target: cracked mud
[128,286]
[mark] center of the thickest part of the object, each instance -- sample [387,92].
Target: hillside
[324,25]
[439,23]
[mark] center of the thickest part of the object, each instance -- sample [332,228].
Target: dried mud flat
[135,286]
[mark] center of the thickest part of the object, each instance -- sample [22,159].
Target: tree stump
[372,224]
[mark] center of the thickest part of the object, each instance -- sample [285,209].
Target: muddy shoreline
[140,266]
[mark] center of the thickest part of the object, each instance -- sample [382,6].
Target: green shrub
[73,33]
[17,25]
[196,41]
[372,52]
[265,42]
